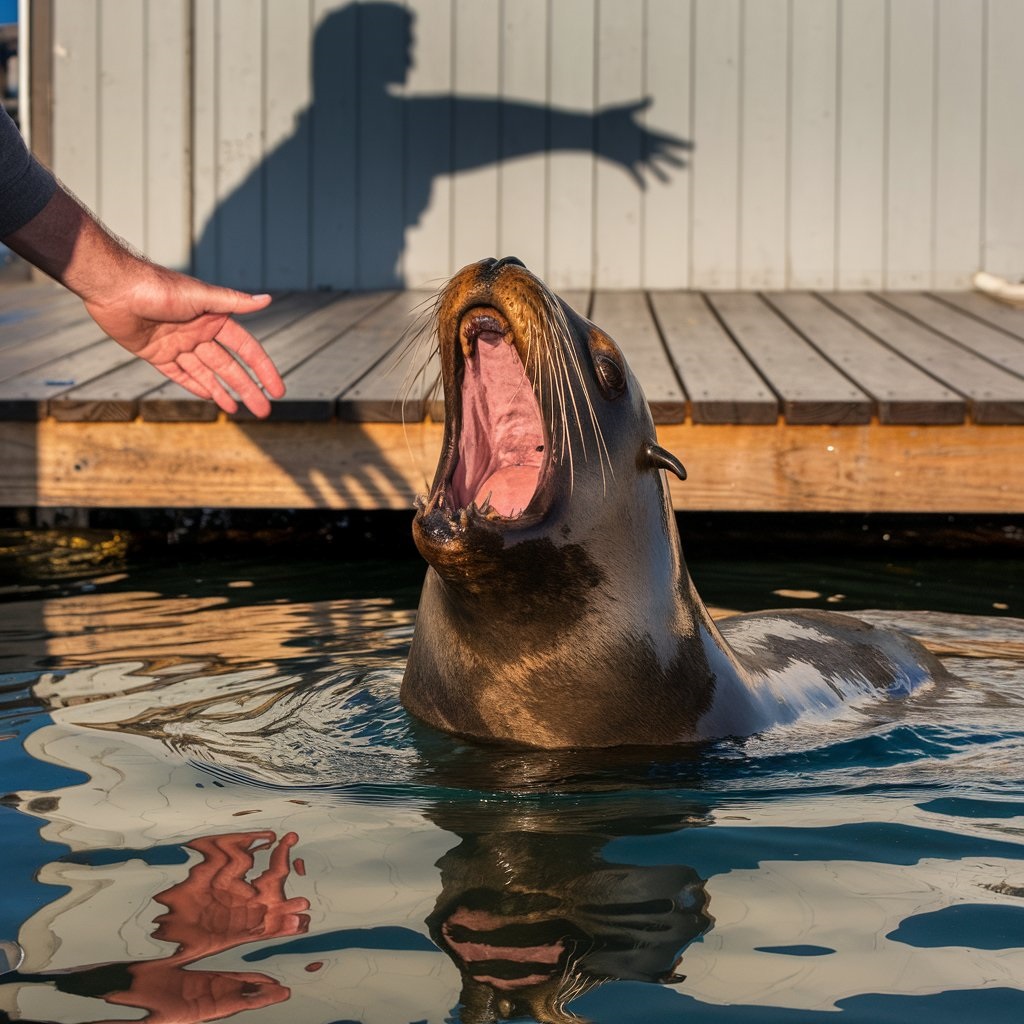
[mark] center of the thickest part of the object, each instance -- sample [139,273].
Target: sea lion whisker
[603,453]
[560,377]
[572,985]
[564,336]
[424,340]
[418,345]
[539,353]
[420,335]
[534,351]
[565,452]
[412,337]
[566,343]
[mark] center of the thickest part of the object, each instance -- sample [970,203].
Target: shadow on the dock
[356,468]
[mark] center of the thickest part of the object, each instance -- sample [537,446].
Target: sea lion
[557,610]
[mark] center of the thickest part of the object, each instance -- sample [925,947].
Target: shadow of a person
[373,156]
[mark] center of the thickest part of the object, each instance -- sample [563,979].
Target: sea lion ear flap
[658,457]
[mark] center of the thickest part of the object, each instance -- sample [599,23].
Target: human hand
[622,138]
[185,329]
[180,325]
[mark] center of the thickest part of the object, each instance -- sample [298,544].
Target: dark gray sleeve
[25,184]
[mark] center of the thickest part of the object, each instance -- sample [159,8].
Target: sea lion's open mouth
[501,446]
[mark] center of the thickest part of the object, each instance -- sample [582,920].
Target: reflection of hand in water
[216,908]
[173,995]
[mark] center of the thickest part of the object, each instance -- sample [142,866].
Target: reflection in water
[214,909]
[535,917]
[532,918]
[210,630]
[31,557]
[224,807]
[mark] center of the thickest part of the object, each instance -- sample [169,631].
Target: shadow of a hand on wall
[360,166]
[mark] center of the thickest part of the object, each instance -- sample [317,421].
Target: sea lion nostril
[505,260]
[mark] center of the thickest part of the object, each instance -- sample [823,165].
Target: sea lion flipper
[660,458]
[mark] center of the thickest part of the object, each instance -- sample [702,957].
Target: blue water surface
[216,806]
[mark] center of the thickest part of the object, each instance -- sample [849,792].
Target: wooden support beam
[770,467]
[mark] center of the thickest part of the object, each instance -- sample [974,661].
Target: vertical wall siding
[715,162]
[572,27]
[812,164]
[121,118]
[665,234]
[754,144]
[1003,203]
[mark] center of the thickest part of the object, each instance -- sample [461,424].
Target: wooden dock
[784,401]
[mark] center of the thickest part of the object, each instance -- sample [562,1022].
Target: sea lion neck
[486,583]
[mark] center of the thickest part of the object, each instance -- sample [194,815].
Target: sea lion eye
[610,377]
[609,366]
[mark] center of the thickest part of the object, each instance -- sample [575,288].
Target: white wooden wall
[836,143]
[121,120]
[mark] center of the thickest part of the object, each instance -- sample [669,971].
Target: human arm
[180,325]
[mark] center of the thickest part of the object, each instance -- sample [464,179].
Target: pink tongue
[502,441]
[510,489]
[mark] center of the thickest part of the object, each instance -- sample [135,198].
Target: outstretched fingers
[175,373]
[199,369]
[236,338]
[215,367]
[223,362]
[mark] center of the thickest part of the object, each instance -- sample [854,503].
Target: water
[218,807]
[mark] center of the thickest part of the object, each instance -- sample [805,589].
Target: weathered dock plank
[394,389]
[902,392]
[114,397]
[41,324]
[51,344]
[988,342]
[897,372]
[995,395]
[721,383]
[303,355]
[315,386]
[27,395]
[810,388]
[1006,318]
[23,303]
